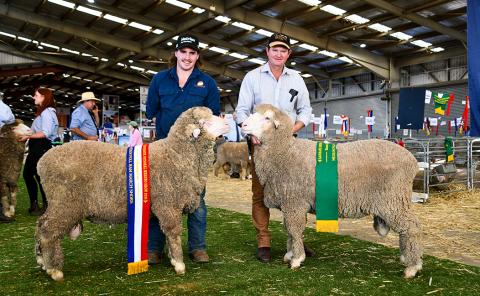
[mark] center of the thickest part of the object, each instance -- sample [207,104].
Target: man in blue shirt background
[172,92]
[85,118]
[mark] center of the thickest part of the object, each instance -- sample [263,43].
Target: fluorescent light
[264,32]
[306,75]
[179,4]
[311,2]
[308,47]
[140,26]
[104,60]
[401,35]
[8,34]
[328,53]
[293,41]
[257,61]
[243,26]
[421,43]
[115,19]
[63,3]
[89,11]
[70,51]
[223,19]
[121,65]
[333,9]
[198,10]
[49,45]
[24,39]
[202,45]
[86,55]
[363,45]
[137,68]
[175,37]
[91,1]
[218,49]
[355,18]
[345,59]
[151,72]
[158,31]
[238,55]
[228,90]
[438,49]
[379,27]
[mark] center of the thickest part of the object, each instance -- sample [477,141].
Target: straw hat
[88,96]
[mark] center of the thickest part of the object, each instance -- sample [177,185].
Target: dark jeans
[196,224]
[36,149]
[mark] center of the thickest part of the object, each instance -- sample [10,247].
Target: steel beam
[436,26]
[376,63]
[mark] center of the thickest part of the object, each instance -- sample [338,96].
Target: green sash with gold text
[326,188]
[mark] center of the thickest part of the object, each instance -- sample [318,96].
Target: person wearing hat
[273,83]
[171,92]
[85,118]
[135,136]
[44,131]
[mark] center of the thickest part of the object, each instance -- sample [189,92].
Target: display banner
[473,50]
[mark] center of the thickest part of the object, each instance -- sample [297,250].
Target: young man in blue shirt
[172,92]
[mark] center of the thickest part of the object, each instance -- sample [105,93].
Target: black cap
[187,40]
[279,39]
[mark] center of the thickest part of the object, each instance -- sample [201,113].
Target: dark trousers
[36,149]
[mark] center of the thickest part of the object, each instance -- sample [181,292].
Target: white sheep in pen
[86,180]
[374,178]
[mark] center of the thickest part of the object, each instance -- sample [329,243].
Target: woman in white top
[44,129]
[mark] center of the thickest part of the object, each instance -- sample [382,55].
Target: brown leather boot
[199,256]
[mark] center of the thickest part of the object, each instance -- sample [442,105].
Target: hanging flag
[449,149]
[473,52]
[326,188]
[450,101]
[138,207]
[325,121]
[466,110]
[441,100]
[345,125]
[369,126]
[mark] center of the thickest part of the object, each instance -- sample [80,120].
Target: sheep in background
[85,179]
[233,153]
[374,178]
[11,161]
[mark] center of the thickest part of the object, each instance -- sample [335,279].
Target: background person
[135,136]
[6,115]
[84,123]
[44,128]
[275,84]
[170,93]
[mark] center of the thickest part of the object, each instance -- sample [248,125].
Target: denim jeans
[196,224]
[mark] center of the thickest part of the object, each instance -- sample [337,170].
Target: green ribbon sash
[326,188]
[449,149]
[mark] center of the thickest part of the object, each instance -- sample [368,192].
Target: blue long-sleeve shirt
[166,100]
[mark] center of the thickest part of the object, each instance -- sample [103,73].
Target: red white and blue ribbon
[138,200]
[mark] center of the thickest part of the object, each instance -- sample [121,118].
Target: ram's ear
[270,115]
[191,131]
[201,122]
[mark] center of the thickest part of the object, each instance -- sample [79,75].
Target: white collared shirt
[259,86]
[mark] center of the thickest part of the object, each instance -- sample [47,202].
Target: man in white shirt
[275,84]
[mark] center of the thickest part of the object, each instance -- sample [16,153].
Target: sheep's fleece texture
[11,162]
[86,179]
[374,178]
